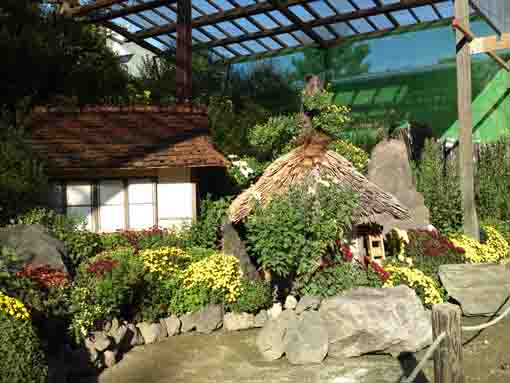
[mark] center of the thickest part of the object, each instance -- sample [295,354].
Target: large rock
[308,302]
[261,318]
[173,325]
[390,168]
[308,341]
[238,321]
[271,340]
[151,332]
[205,321]
[290,302]
[99,340]
[34,246]
[209,318]
[233,245]
[366,320]
[134,336]
[480,289]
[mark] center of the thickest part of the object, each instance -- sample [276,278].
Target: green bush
[358,157]
[340,277]
[275,136]
[293,231]
[494,181]
[105,287]
[439,183]
[23,360]
[111,241]
[206,231]
[22,176]
[255,296]
[245,170]
[79,243]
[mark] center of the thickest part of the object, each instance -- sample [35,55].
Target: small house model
[312,159]
[126,167]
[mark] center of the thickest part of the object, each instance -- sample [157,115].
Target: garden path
[233,358]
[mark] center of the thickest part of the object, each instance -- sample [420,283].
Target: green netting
[491,111]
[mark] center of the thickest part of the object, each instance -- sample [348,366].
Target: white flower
[232,156]
[325,183]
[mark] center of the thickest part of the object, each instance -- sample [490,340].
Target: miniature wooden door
[375,247]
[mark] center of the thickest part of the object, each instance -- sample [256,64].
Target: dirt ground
[233,358]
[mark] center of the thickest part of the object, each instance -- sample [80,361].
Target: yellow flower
[13,307]
[495,249]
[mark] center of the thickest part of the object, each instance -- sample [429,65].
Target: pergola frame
[320,30]
[285,28]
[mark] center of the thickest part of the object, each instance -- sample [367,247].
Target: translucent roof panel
[243,29]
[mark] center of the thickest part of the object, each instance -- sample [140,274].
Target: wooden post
[464,100]
[448,356]
[183,59]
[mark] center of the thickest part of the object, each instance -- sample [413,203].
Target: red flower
[345,250]
[383,274]
[102,266]
[45,276]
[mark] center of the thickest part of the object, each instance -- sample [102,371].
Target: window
[79,203]
[141,204]
[111,206]
[176,203]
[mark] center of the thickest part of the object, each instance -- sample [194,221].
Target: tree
[341,61]
[45,56]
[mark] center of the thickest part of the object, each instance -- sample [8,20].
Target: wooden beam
[464,102]
[470,37]
[490,43]
[97,5]
[129,10]
[183,69]
[130,37]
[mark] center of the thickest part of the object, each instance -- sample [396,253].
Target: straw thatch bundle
[313,159]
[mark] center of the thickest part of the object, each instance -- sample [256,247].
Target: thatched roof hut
[313,158]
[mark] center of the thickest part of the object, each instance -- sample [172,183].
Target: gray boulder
[173,325]
[188,322]
[120,334]
[134,336]
[164,331]
[390,168]
[275,311]
[34,246]
[205,321]
[308,302]
[261,318]
[480,289]
[209,318]
[290,302]
[151,332]
[308,341]
[366,320]
[238,321]
[272,338]
[233,245]
[99,341]
[110,358]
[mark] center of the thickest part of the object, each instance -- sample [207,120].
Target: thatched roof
[375,205]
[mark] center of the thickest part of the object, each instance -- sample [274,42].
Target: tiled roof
[122,138]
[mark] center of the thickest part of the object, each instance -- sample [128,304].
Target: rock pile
[361,321]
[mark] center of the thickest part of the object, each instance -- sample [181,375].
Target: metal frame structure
[240,30]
